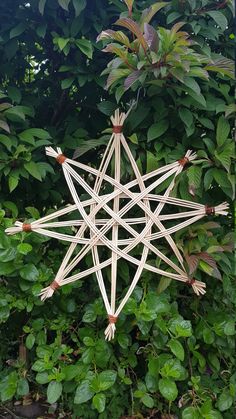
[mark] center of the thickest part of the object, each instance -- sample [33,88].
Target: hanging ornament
[107,221]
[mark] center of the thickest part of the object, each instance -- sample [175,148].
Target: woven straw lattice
[94,233]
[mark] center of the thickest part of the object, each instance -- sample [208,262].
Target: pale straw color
[99,227]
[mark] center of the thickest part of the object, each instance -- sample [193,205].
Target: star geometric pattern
[110,226]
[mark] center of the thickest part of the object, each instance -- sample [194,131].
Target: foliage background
[174,353]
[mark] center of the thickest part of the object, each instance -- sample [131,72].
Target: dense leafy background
[174,353]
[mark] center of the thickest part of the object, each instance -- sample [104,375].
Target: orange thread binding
[183,161]
[61,158]
[117,129]
[26,227]
[209,210]
[190,282]
[54,285]
[112,319]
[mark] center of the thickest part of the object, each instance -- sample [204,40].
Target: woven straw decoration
[105,231]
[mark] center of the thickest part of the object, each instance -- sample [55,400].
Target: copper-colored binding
[117,129]
[112,319]
[54,285]
[190,281]
[26,227]
[61,158]
[183,161]
[209,210]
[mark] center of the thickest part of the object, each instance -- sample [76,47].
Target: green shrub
[173,353]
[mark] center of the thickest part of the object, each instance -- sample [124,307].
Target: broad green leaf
[4,125]
[66,83]
[83,393]
[194,174]
[64,4]
[225,401]
[32,168]
[85,46]
[14,94]
[107,107]
[168,389]
[186,116]
[29,272]
[42,377]
[163,284]
[79,5]
[42,6]
[54,391]
[191,413]
[222,130]
[219,18]
[62,42]
[99,402]
[106,379]
[147,401]
[158,129]
[229,328]
[152,162]
[22,387]
[148,13]
[12,182]
[29,343]
[177,348]
[34,132]
[192,84]
[18,30]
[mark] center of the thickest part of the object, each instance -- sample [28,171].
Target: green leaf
[14,94]
[163,284]
[12,182]
[29,272]
[4,125]
[191,413]
[66,83]
[42,377]
[79,5]
[229,328]
[99,402]
[186,116]
[85,46]
[54,391]
[147,401]
[62,42]
[194,174]
[42,6]
[106,379]
[222,130]
[208,336]
[177,348]
[83,393]
[17,30]
[107,107]
[168,389]
[225,401]
[192,84]
[219,18]
[64,4]
[158,129]
[32,168]
[34,132]
[22,387]
[29,343]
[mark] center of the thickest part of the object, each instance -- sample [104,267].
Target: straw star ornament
[107,221]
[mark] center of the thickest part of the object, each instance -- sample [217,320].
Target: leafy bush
[174,353]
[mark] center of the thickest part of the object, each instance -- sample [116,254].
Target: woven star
[130,215]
